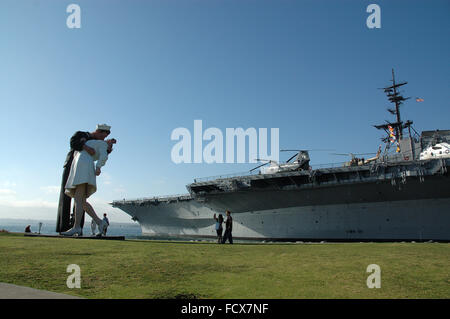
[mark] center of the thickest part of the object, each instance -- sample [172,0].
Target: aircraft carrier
[401,194]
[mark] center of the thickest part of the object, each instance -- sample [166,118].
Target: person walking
[228,229]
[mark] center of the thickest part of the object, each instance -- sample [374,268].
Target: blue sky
[309,68]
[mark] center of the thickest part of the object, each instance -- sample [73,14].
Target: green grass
[151,269]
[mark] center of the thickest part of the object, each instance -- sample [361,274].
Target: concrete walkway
[8,291]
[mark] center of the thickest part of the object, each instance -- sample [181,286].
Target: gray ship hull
[388,221]
[405,201]
[424,219]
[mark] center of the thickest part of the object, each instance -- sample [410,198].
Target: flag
[393,139]
[391,134]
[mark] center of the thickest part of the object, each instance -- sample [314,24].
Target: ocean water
[129,230]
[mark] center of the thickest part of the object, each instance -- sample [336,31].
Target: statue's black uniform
[63,220]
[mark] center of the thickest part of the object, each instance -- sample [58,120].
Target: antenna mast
[395,97]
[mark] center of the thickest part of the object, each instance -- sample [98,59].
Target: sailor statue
[77,143]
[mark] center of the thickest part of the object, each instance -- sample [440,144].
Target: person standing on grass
[228,228]
[93,226]
[219,228]
[105,223]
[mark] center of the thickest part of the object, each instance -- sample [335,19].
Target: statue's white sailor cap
[103,127]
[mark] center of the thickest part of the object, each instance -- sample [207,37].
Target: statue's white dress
[83,168]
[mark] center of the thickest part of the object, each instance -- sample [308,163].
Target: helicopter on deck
[301,162]
[358,161]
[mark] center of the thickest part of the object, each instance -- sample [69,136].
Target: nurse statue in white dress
[81,182]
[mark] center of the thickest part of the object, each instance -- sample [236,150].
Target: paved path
[8,291]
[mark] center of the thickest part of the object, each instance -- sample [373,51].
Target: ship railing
[154,198]
[328,165]
[225,176]
[247,173]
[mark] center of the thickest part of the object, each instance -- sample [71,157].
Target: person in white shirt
[81,183]
[105,224]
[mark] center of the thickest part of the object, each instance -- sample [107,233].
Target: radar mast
[397,99]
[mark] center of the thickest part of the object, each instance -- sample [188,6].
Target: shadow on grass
[176,295]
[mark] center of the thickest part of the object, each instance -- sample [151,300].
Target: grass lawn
[151,269]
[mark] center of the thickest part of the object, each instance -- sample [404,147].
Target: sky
[312,69]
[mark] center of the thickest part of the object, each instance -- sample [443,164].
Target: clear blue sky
[309,68]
